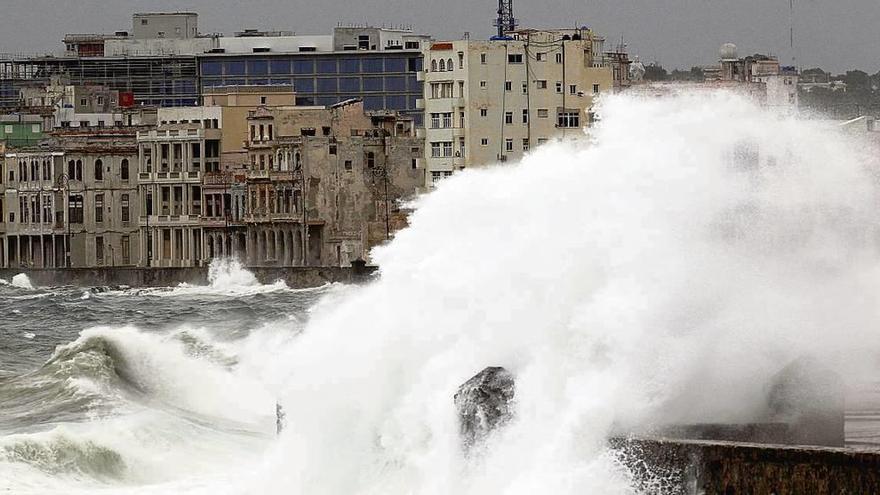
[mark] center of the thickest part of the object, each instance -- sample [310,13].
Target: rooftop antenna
[505,22]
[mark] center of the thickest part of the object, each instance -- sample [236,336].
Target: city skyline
[678,34]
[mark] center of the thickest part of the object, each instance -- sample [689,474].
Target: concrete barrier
[692,467]
[298,277]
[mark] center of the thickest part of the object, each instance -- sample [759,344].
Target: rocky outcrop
[484,404]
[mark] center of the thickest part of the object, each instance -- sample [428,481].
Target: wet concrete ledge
[666,466]
[297,277]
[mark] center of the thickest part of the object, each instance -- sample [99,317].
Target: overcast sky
[833,34]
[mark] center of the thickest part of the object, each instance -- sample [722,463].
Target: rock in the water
[811,400]
[484,403]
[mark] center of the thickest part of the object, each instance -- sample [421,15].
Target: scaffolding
[166,81]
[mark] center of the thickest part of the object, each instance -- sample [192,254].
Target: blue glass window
[304,101]
[328,100]
[396,102]
[258,82]
[303,85]
[258,67]
[411,102]
[234,68]
[374,103]
[327,66]
[415,64]
[418,120]
[395,83]
[282,82]
[280,66]
[373,65]
[350,66]
[233,82]
[349,84]
[212,68]
[395,65]
[327,85]
[413,84]
[373,84]
[303,66]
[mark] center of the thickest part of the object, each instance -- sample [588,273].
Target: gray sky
[833,34]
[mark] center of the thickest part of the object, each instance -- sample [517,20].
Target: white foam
[657,276]
[22,282]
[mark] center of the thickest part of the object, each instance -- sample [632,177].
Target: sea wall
[728,468]
[298,277]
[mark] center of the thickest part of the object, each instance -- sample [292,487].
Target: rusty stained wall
[348,193]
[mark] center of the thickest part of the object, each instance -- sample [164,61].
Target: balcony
[168,220]
[192,177]
[267,217]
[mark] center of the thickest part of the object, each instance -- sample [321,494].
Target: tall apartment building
[492,101]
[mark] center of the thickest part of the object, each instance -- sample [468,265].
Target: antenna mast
[791,31]
[505,22]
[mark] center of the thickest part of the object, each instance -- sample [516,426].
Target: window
[461,147]
[484,142]
[99,250]
[441,149]
[411,45]
[348,165]
[483,58]
[99,208]
[569,119]
[332,150]
[36,128]
[441,90]
[124,205]
[558,58]
[525,87]
[525,143]
[508,144]
[438,175]
[449,65]
[508,86]
[483,84]
[442,65]
[83,101]
[75,210]
[515,58]
[79,170]
[7,129]
[484,112]
[126,250]
[99,170]
[461,60]
[123,169]
[543,113]
[433,65]
[525,116]
[441,120]
[595,89]
[508,117]
[541,57]
[573,89]
[371,159]
[559,86]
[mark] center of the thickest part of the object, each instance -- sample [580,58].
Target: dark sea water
[118,389]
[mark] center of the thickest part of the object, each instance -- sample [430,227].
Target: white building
[492,101]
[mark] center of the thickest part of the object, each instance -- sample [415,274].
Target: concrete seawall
[729,468]
[299,277]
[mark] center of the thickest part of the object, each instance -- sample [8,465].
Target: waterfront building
[324,184]
[492,101]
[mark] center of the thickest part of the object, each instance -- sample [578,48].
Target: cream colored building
[492,101]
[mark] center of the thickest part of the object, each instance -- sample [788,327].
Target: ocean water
[661,274]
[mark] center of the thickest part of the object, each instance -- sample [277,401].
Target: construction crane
[505,22]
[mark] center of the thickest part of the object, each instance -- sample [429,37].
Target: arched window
[99,169]
[47,172]
[35,171]
[123,169]
[442,65]
[449,65]
[22,171]
[71,169]
[79,171]
[296,161]
[434,65]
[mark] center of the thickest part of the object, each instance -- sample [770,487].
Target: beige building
[324,184]
[492,101]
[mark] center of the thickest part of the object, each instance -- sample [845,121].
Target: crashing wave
[60,454]
[22,281]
